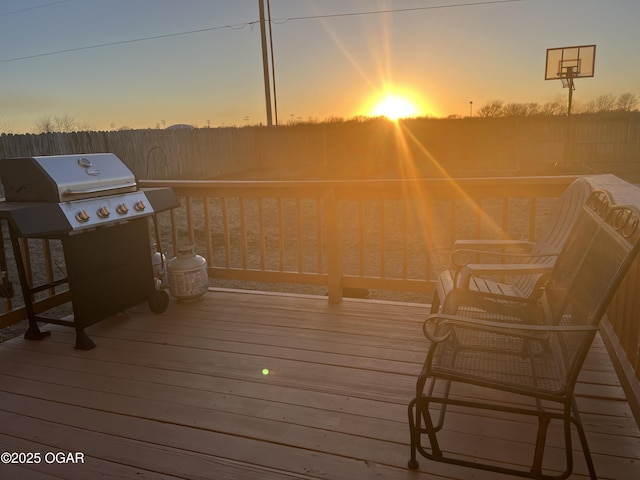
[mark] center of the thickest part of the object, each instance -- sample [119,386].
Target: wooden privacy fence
[366,149]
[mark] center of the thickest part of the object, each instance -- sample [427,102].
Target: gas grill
[92,204]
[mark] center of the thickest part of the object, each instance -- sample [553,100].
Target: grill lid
[63,178]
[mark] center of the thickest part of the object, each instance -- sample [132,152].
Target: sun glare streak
[405,142]
[395,103]
[343,49]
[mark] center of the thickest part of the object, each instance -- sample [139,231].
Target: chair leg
[543,426]
[583,440]
[414,431]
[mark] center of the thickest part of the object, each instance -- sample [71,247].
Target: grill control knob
[139,206]
[104,212]
[122,209]
[82,216]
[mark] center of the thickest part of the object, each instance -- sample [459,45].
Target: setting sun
[395,104]
[394,107]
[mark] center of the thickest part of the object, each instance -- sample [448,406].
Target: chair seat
[517,362]
[448,282]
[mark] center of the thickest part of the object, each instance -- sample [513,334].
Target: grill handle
[109,189]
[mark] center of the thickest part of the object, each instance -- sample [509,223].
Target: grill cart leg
[33,332]
[83,342]
[159,299]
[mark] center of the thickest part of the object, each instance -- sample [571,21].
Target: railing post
[334,246]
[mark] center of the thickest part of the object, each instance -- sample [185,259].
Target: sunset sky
[150,63]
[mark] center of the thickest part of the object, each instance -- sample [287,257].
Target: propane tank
[188,276]
[159,265]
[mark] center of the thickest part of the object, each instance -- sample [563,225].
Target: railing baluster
[505,217]
[361,236]
[405,237]
[243,233]
[299,235]
[334,247]
[174,231]
[479,216]
[318,203]
[190,233]
[207,228]
[225,232]
[533,211]
[261,233]
[281,234]
[428,234]
[382,235]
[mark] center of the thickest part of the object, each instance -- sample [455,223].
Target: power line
[240,25]
[398,10]
[123,42]
[32,8]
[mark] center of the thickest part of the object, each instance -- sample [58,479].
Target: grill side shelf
[35,219]
[161,198]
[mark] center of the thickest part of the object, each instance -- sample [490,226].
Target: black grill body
[107,260]
[109,270]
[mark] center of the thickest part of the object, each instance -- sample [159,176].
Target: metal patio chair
[497,361]
[533,266]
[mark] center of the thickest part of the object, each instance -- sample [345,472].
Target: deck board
[183,395]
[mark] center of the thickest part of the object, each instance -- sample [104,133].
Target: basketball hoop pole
[572,87]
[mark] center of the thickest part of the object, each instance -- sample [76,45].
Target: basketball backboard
[567,63]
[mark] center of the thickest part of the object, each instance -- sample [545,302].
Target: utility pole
[265,64]
[273,63]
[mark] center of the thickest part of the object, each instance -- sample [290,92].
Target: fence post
[334,246]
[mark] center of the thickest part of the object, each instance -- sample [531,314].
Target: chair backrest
[567,212]
[597,254]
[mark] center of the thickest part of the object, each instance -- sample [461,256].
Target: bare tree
[49,124]
[552,109]
[602,104]
[84,127]
[520,110]
[627,102]
[491,109]
[45,124]
[512,110]
[64,123]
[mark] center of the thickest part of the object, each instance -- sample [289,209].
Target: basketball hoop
[569,63]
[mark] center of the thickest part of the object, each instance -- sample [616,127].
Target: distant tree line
[60,124]
[627,102]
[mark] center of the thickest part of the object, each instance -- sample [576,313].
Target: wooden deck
[184,395]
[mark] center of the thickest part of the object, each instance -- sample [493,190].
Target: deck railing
[354,237]
[388,235]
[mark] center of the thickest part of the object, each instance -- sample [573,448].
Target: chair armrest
[460,257]
[479,269]
[440,320]
[477,244]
